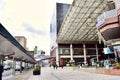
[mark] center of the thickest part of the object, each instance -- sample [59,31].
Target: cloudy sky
[29,18]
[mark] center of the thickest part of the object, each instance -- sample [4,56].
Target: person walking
[61,63]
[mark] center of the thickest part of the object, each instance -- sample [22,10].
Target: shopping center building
[108,25]
[78,39]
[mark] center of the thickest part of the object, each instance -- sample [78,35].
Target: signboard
[107,51]
[100,22]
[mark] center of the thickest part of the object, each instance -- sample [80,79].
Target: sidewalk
[48,73]
[67,73]
[28,75]
[24,75]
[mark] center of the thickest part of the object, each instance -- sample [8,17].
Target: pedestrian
[56,66]
[1,71]
[61,63]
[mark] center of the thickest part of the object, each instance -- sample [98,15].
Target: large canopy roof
[79,25]
[8,46]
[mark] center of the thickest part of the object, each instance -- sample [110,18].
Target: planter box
[36,72]
[108,71]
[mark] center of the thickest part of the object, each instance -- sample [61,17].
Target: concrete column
[71,53]
[20,66]
[25,65]
[14,65]
[97,53]
[85,54]
[57,55]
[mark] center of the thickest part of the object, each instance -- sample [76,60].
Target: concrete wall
[117,3]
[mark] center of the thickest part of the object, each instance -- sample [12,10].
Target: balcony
[109,25]
[106,16]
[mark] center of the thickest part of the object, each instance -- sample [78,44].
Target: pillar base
[72,61]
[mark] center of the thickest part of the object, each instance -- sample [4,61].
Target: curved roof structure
[79,25]
[9,45]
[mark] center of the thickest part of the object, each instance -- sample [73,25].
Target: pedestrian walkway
[66,73]
[47,73]
[23,76]
[91,70]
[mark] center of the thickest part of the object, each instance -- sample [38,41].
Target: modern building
[62,47]
[22,40]
[57,19]
[108,26]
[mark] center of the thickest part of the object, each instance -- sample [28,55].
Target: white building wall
[117,3]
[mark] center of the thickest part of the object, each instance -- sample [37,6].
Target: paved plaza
[48,73]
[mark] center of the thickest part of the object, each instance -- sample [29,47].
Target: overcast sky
[29,18]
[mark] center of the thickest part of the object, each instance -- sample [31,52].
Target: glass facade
[57,19]
[61,12]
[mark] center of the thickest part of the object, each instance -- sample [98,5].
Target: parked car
[6,67]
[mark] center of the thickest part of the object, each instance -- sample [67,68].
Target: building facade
[57,19]
[71,52]
[109,27]
[22,40]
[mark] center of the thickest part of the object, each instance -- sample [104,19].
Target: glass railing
[106,15]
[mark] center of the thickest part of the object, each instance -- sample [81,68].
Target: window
[76,51]
[66,51]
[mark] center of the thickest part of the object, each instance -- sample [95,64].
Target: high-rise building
[22,40]
[57,19]
[61,10]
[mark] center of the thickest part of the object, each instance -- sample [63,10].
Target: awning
[79,25]
[9,45]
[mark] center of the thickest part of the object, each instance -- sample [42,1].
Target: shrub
[117,64]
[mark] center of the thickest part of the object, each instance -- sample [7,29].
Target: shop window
[66,51]
[76,51]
